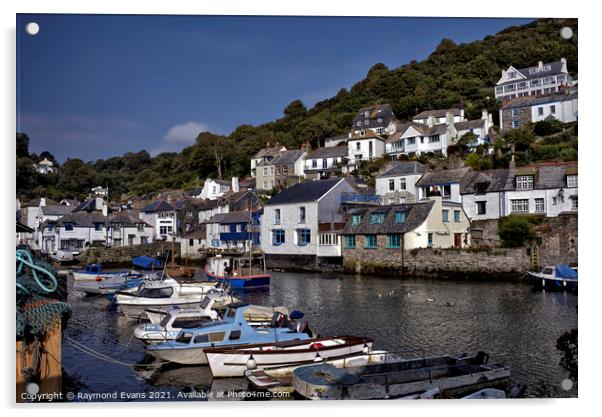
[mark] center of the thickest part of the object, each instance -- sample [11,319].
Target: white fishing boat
[167,294]
[233,361]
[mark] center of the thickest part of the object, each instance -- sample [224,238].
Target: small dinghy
[454,374]
[94,272]
[166,294]
[559,278]
[109,285]
[233,361]
[189,346]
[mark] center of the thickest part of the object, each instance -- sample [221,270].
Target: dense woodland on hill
[452,74]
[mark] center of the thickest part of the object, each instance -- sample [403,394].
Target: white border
[589,31]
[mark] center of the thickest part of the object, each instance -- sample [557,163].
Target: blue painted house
[233,230]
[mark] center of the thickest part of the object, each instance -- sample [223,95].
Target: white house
[365,146]
[541,79]
[446,183]
[548,189]
[398,184]
[379,119]
[128,230]
[162,216]
[214,189]
[479,127]
[416,138]
[322,162]
[519,111]
[34,213]
[44,167]
[301,221]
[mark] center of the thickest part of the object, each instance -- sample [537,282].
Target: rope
[85,349]
[24,258]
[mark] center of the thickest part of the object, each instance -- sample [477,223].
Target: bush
[515,231]
[548,127]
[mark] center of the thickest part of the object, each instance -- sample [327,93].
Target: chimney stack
[430,121]
[540,64]
[43,202]
[449,117]
[512,163]
[235,187]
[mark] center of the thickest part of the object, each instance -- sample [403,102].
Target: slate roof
[546,176]
[437,113]
[36,203]
[198,231]
[404,168]
[416,214]
[206,204]
[555,69]
[422,128]
[87,205]
[57,210]
[284,158]
[159,205]
[527,101]
[268,152]
[470,124]
[232,217]
[368,134]
[303,192]
[382,111]
[127,220]
[82,219]
[328,152]
[448,176]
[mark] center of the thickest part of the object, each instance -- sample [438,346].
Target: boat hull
[136,310]
[95,276]
[254,282]
[189,356]
[552,283]
[225,364]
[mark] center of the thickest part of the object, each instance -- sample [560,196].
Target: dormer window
[400,216]
[524,182]
[480,187]
[571,181]
[356,219]
[377,218]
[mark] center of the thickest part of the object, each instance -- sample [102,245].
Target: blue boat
[187,348]
[560,277]
[146,262]
[238,272]
[94,272]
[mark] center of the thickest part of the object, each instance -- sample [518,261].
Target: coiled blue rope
[24,258]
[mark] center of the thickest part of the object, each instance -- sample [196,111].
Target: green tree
[22,145]
[515,231]
[295,109]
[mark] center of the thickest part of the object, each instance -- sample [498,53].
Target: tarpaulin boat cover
[565,271]
[146,262]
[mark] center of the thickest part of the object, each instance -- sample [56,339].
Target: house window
[391,185]
[277,170]
[284,170]
[445,216]
[301,214]
[539,205]
[356,219]
[456,216]
[239,228]
[131,240]
[265,171]
[143,240]
[515,112]
[434,139]
[277,216]
[116,227]
[515,124]
[402,183]
[359,123]
[430,240]
[358,146]
[350,241]
[314,163]
[265,185]
[553,109]
[370,241]
[377,218]
[140,227]
[69,227]
[554,200]
[394,241]
[50,227]
[571,181]
[520,205]
[480,187]
[190,242]
[481,207]
[303,237]
[540,111]
[574,202]
[411,141]
[400,216]
[278,237]
[366,122]
[524,182]
[162,230]
[329,239]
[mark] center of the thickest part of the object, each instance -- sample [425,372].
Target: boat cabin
[235,266]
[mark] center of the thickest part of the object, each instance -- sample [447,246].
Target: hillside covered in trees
[452,74]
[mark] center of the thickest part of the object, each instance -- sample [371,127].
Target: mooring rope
[24,258]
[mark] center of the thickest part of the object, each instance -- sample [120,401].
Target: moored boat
[94,272]
[240,273]
[555,278]
[454,374]
[189,346]
[233,361]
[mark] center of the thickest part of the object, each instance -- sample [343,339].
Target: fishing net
[41,296]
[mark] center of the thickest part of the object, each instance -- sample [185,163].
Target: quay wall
[122,255]
[310,263]
[452,263]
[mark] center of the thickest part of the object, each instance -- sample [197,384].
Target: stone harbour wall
[559,239]
[123,255]
[303,263]
[453,263]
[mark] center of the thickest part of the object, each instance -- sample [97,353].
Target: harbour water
[516,325]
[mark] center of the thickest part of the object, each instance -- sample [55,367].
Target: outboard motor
[278,319]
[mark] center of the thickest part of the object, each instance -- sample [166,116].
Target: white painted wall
[359,149]
[565,111]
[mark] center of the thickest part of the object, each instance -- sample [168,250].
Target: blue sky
[95,86]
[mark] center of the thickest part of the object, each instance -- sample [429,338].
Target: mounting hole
[566,33]
[32,28]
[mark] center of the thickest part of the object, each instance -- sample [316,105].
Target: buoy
[251,363]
